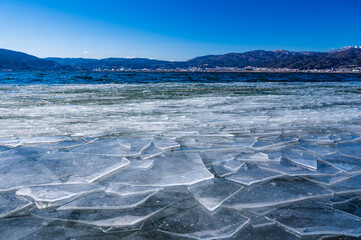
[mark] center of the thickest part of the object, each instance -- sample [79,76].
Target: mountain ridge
[341,58]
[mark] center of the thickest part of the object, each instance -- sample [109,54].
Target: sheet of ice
[129,190]
[317,138]
[108,220]
[55,195]
[233,165]
[301,158]
[350,185]
[41,140]
[343,163]
[328,180]
[142,163]
[81,168]
[276,192]
[65,145]
[9,142]
[10,204]
[165,144]
[250,174]
[17,170]
[256,220]
[19,227]
[212,193]
[106,201]
[169,170]
[318,149]
[352,206]
[311,218]
[197,223]
[287,168]
[116,147]
[28,141]
[218,156]
[222,171]
[260,157]
[351,149]
[150,152]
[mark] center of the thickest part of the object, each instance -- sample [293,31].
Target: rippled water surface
[180,155]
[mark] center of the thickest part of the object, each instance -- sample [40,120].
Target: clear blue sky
[175,29]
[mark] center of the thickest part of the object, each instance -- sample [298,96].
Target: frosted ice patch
[212,193]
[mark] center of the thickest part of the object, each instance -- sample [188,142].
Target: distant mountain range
[346,57]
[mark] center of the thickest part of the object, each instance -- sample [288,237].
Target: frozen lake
[180,156]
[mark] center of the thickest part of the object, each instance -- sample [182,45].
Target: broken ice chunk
[142,164]
[320,139]
[218,156]
[343,163]
[18,228]
[81,168]
[17,171]
[256,220]
[50,196]
[350,185]
[260,157]
[351,149]
[221,171]
[233,165]
[250,174]
[41,140]
[106,201]
[165,144]
[287,168]
[127,190]
[352,206]
[9,142]
[318,149]
[9,204]
[117,147]
[311,218]
[328,180]
[276,192]
[169,170]
[197,223]
[212,193]
[301,158]
[108,220]
[150,152]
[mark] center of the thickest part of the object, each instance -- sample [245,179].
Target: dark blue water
[161,77]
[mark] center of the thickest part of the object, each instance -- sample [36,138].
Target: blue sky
[175,29]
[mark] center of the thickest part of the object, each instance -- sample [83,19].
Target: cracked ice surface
[180,160]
